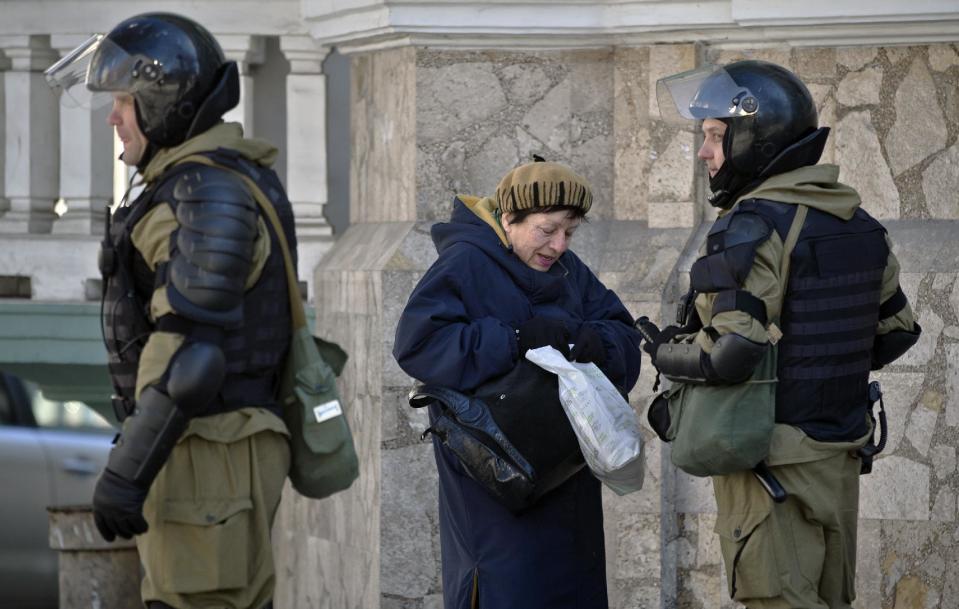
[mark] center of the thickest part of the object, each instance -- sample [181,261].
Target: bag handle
[296,305]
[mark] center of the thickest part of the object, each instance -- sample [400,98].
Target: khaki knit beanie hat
[542,184]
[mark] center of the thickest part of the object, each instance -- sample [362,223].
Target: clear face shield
[707,92]
[90,74]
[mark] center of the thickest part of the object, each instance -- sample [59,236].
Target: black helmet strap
[224,96]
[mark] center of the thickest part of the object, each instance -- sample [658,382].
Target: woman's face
[541,238]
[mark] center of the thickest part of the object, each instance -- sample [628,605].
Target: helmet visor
[707,92]
[88,75]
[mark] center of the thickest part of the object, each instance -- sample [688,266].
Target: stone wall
[429,123]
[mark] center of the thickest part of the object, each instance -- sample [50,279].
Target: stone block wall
[429,123]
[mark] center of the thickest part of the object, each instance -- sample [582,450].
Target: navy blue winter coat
[458,331]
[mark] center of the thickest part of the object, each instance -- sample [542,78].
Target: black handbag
[511,434]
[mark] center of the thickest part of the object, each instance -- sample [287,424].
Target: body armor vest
[254,350]
[829,319]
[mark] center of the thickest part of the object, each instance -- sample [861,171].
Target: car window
[64,415]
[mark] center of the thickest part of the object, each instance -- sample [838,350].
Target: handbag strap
[296,305]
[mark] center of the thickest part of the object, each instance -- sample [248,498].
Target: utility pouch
[872,448]
[721,429]
[323,459]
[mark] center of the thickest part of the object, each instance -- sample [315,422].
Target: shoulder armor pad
[213,249]
[730,251]
[737,228]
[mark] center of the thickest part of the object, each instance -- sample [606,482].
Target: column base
[83,217]
[316,231]
[26,215]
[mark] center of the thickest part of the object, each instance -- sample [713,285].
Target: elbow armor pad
[889,347]
[195,376]
[732,360]
[681,362]
[213,251]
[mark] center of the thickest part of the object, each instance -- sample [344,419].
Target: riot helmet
[770,116]
[172,67]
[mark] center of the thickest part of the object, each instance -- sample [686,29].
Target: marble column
[306,150]
[86,161]
[32,136]
[306,134]
[246,51]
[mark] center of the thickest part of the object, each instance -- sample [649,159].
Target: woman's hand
[588,347]
[542,331]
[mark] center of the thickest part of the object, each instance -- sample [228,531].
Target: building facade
[444,98]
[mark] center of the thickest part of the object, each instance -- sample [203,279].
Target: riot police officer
[836,313]
[195,317]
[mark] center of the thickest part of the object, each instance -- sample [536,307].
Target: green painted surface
[59,346]
[51,333]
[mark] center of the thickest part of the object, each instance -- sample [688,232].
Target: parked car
[50,455]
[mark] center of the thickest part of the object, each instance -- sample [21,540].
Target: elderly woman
[506,282]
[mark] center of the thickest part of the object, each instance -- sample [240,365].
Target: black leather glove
[653,337]
[118,507]
[542,331]
[588,347]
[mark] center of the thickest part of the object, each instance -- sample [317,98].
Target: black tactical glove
[653,337]
[118,507]
[542,331]
[588,347]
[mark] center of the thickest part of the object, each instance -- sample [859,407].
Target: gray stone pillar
[86,161]
[340,539]
[306,150]
[93,572]
[32,136]
[246,51]
[306,134]
[426,124]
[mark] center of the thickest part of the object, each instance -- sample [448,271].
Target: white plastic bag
[605,424]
